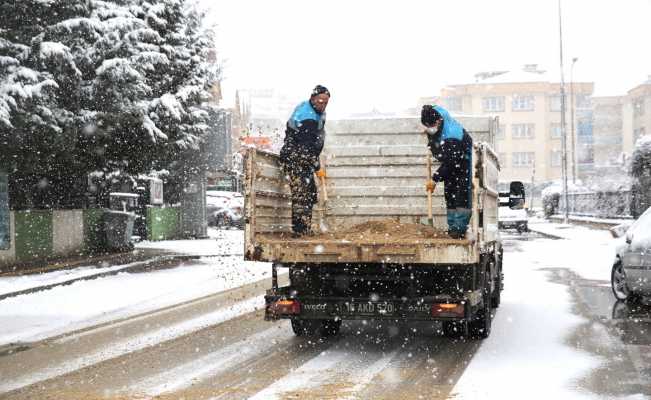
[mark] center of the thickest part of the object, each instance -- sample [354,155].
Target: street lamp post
[563,121]
[575,170]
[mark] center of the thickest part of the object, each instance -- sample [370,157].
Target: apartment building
[637,114]
[528,104]
[608,128]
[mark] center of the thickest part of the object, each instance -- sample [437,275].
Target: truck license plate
[368,308]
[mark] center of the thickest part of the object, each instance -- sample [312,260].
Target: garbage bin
[118,228]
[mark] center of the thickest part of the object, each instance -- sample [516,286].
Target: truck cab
[512,213]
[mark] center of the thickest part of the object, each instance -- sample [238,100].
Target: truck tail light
[285,307]
[448,310]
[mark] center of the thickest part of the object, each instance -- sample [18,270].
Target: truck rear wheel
[480,326]
[496,297]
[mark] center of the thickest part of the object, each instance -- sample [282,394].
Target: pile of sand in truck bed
[382,230]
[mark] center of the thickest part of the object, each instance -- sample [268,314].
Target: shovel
[321,174]
[430,218]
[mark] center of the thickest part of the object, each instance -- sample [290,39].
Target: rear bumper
[377,309]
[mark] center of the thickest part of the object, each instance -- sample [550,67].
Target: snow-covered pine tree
[109,86]
[36,128]
[183,85]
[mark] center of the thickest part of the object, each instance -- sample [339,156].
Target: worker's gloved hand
[430,186]
[321,173]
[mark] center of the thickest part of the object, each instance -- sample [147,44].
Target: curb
[155,263]
[547,235]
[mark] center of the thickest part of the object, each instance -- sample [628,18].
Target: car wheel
[618,282]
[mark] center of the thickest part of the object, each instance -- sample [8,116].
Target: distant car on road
[631,272]
[512,218]
[224,209]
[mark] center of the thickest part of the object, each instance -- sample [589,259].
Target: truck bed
[376,171]
[386,241]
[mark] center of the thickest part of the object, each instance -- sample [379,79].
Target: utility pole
[533,176]
[575,169]
[563,121]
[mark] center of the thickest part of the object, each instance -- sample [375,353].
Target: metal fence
[611,204]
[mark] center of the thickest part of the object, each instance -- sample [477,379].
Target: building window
[523,131]
[493,104]
[522,159]
[555,103]
[555,131]
[454,104]
[582,101]
[638,107]
[637,133]
[523,103]
[556,158]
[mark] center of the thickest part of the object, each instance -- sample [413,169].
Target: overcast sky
[387,54]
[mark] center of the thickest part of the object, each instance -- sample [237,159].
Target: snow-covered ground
[588,252]
[86,303]
[10,284]
[528,343]
[221,241]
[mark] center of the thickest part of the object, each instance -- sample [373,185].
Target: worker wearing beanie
[299,156]
[451,145]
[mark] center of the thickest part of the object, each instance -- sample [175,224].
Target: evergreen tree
[106,86]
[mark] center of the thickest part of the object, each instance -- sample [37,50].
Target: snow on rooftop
[644,143]
[519,76]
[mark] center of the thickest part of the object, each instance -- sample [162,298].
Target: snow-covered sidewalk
[588,252]
[219,242]
[86,303]
[568,231]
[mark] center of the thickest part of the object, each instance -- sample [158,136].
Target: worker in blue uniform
[299,156]
[451,145]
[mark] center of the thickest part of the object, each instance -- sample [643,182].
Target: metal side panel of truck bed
[376,170]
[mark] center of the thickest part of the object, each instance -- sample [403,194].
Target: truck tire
[480,326]
[496,298]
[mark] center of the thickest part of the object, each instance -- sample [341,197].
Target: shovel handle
[429,193]
[323,185]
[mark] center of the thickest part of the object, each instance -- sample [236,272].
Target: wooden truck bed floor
[375,247]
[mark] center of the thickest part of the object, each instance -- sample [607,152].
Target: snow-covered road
[554,336]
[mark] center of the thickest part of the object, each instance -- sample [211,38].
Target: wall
[33,234]
[67,231]
[9,255]
[43,234]
[162,223]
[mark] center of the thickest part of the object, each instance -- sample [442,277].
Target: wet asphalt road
[248,357]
